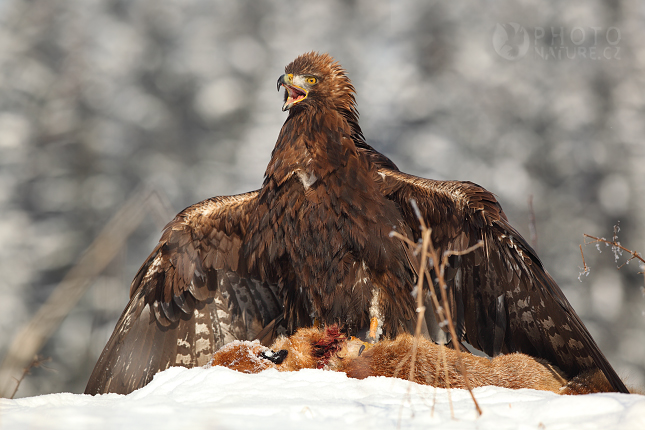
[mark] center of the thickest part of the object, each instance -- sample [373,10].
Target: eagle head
[316,79]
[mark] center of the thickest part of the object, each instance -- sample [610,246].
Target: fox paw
[275,357]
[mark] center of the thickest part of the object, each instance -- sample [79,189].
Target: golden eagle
[313,244]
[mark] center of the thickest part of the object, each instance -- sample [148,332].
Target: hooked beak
[293,93]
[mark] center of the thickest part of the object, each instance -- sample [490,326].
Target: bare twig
[532,224]
[585,270]
[429,258]
[420,307]
[634,255]
[446,308]
[31,337]
[38,361]
[617,249]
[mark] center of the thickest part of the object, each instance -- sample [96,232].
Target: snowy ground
[219,398]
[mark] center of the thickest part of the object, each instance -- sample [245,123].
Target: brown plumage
[435,365]
[313,244]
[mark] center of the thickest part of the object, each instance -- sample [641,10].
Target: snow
[221,398]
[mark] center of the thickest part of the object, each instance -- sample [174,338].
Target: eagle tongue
[295,94]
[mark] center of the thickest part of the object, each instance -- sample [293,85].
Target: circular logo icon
[511,41]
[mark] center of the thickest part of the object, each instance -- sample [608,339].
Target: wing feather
[501,296]
[191,296]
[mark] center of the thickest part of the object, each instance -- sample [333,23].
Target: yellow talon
[373,327]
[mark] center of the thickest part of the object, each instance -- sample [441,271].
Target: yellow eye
[311,80]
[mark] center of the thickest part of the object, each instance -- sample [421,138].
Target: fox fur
[435,365]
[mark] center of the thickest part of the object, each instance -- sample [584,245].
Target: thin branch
[617,249]
[38,361]
[585,269]
[31,337]
[532,224]
[429,257]
[614,243]
[420,307]
[453,333]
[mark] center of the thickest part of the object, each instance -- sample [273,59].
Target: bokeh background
[99,98]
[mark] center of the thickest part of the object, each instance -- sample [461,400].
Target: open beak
[293,94]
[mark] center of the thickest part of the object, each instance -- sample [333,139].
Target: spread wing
[191,296]
[501,297]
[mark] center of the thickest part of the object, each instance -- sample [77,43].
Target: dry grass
[428,259]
